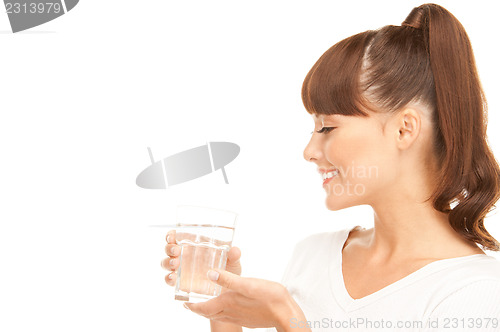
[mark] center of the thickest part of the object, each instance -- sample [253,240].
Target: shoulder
[476,268]
[469,289]
[478,299]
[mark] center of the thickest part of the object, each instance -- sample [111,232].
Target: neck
[406,227]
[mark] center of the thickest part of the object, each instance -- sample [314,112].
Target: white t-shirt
[455,294]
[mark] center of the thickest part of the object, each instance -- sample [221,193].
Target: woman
[400,125]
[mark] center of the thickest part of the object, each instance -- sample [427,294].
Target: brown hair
[428,59]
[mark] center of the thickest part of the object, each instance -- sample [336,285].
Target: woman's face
[364,156]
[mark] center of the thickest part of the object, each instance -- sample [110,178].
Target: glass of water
[205,236]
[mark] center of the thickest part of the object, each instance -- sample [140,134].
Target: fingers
[171,236]
[173,250]
[171,278]
[170,264]
[233,264]
[233,256]
[207,309]
[219,308]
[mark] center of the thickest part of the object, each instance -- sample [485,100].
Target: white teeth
[330,174]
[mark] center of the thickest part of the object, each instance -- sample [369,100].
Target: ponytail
[469,174]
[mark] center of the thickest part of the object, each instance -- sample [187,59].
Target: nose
[311,152]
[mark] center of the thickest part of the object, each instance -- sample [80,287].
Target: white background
[83,96]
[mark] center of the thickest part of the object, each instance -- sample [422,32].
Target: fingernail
[185,306]
[173,251]
[172,262]
[170,276]
[168,238]
[213,275]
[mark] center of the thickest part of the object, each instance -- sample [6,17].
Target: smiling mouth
[329,175]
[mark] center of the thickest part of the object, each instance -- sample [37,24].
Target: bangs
[332,86]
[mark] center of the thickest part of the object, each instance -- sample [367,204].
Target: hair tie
[409,25]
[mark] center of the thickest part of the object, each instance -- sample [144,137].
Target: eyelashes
[325,130]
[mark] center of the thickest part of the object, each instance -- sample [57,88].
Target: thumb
[228,280]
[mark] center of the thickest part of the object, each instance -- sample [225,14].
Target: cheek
[363,157]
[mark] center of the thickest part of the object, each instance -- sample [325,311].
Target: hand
[249,302]
[171,263]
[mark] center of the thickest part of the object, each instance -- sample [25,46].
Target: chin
[335,203]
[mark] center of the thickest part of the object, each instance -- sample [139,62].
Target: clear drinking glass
[205,236]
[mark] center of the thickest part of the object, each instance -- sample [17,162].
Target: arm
[216,326]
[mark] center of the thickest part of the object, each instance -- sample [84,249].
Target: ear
[408,124]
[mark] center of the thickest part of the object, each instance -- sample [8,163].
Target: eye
[325,130]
